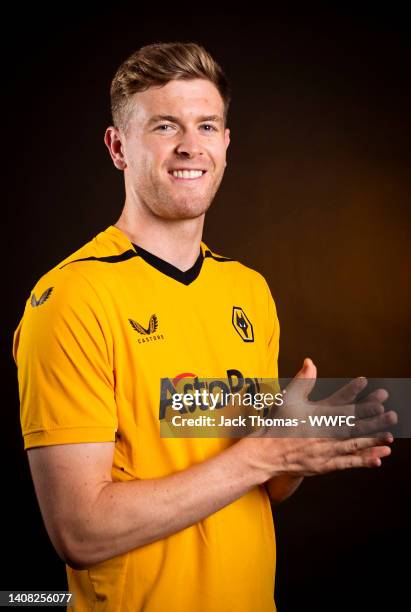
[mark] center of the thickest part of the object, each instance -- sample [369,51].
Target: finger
[365,458]
[360,410]
[357,444]
[374,455]
[376,424]
[370,418]
[355,427]
[381,395]
[348,392]
[368,408]
[372,403]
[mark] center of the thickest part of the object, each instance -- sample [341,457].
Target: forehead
[185,98]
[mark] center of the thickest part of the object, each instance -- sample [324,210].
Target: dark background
[315,196]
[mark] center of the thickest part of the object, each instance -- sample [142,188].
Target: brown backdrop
[315,196]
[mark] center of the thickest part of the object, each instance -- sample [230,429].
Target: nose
[189,144]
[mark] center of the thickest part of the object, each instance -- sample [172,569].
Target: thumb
[303,382]
[308,370]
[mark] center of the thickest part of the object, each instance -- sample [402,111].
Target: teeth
[187,174]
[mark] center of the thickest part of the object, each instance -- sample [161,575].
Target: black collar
[186,277]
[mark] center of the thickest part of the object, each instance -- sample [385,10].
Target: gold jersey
[99,333]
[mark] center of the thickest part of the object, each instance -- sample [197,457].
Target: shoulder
[62,281]
[237,268]
[64,298]
[71,286]
[82,271]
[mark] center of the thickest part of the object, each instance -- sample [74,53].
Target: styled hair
[156,65]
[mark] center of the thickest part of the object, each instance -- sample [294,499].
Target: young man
[146,522]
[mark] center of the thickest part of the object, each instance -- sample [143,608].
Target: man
[146,522]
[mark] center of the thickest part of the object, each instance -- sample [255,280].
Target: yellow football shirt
[99,333]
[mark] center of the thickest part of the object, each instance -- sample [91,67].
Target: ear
[113,142]
[227,138]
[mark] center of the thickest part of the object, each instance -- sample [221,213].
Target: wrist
[253,462]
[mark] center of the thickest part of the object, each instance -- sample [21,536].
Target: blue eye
[166,125]
[163,125]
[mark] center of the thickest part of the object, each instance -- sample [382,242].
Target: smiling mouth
[187,176]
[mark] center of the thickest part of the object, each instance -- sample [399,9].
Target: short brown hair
[156,65]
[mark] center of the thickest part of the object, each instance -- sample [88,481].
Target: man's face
[190,135]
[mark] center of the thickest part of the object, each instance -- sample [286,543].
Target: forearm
[279,488]
[126,515]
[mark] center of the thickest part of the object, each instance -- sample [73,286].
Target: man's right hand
[342,449]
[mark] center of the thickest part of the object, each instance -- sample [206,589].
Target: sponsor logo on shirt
[148,334]
[44,296]
[188,382]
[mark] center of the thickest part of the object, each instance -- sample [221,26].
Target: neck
[174,240]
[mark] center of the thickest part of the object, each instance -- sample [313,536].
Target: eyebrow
[156,118]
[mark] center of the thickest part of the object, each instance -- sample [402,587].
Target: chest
[207,331]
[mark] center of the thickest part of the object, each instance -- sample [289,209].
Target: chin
[184,211]
[183,214]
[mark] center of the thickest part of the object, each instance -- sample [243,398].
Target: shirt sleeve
[63,350]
